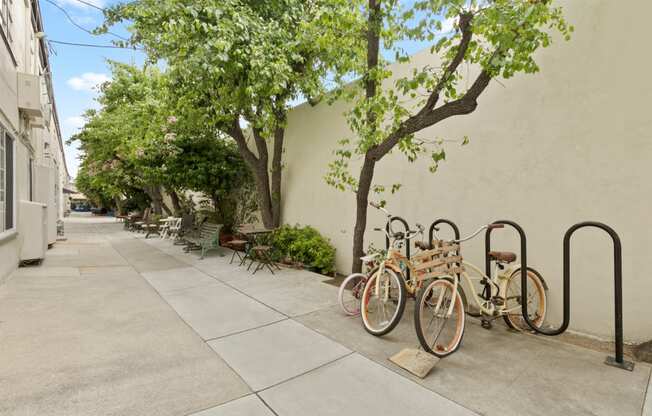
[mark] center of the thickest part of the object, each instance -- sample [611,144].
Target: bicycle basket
[443,259]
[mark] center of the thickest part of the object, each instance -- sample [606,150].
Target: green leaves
[143,137]
[498,38]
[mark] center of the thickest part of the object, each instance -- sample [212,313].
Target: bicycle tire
[460,319]
[348,309]
[540,287]
[400,303]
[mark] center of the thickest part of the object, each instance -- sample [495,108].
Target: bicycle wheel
[536,300]
[382,309]
[350,293]
[439,333]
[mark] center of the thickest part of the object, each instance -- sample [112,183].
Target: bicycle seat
[502,256]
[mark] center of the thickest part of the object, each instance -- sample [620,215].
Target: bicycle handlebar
[475,233]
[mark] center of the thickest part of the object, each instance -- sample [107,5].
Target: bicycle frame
[497,281]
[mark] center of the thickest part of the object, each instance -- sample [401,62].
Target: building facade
[33,170]
[571,143]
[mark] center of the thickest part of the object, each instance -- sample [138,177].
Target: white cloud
[75,3]
[87,81]
[447,25]
[75,122]
[85,20]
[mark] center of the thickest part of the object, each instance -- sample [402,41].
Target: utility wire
[91,5]
[78,25]
[89,45]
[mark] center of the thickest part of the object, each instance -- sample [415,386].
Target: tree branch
[235,131]
[464,105]
[467,34]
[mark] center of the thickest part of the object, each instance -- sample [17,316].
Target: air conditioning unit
[29,94]
[32,226]
[44,192]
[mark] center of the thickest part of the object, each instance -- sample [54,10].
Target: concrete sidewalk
[115,324]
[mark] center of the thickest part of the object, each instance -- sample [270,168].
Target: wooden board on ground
[417,362]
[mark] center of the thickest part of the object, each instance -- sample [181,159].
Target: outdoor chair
[207,239]
[263,255]
[152,226]
[172,228]
[164,227]
[187,228]
[138,225]
[240,245]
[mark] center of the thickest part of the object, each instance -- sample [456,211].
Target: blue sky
[77,70]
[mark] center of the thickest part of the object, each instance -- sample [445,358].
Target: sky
[77,70]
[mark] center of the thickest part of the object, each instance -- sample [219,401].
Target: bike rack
[616,361]
[407,242]
[431,232]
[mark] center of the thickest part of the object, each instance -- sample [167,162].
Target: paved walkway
[113,324]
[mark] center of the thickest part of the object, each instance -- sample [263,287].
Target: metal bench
[206,238]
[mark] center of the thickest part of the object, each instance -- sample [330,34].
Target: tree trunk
[176,205]
[277,166]
[367,171]
[158,205]
[362,204]
[259,166]
[118,205]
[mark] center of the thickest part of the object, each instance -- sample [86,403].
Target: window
[6,20]
[6,181]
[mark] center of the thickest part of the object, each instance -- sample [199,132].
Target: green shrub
[306,246]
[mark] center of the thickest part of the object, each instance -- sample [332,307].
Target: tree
[140,141]
[244,62]
[498,38]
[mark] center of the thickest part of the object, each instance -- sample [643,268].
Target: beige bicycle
[441,305]
[387,286]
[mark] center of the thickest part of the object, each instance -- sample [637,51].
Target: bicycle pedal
[486,324]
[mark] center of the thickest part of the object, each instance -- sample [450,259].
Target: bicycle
[501,297]
[385,291]
[350,291]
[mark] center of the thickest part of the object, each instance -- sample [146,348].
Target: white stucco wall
[569,144]
[29,141]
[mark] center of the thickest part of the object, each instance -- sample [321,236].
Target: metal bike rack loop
[450,223]
[407,242]
[616,361]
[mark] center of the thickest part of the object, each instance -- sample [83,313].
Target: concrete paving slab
[221,269]
[247,406]
[42,271]
[356,386]
[151,262]
[554,377]
[217,310]
[289,349]
[88,256]
[92,346]
[287,291]
[580,379]
[301,298]
[177,279]
[59,250]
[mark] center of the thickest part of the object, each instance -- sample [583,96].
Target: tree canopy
[489,39]
[140,141]
[243,62]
